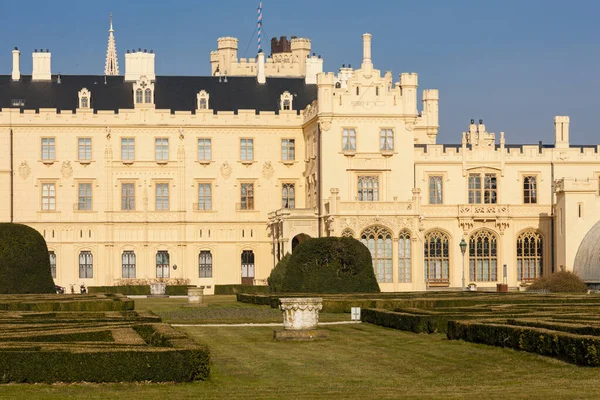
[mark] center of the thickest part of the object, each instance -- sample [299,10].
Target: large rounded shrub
[275,280]
[24,261]
[560,282]
[330,265]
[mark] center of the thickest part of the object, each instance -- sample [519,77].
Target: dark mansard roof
[175,93]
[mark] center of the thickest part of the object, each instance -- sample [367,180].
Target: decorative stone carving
[158,288]
[409,126]
[301,313]
[226,170]
[66,169]
[326,125]
[268,170]
[24,170]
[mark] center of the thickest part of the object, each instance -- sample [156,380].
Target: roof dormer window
[139,96]
[148,96]
[286,101]
[144,92]
[84,98]
[203,100]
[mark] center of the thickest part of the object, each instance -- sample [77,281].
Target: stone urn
[158,288]
[195,297]
[300,313]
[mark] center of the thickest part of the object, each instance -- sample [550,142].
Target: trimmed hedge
[404,322]
[330,265]
[577,349]
[235,289]
[139,290]
[276,278]
[62,303]
[25,266]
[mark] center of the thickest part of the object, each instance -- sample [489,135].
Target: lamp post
[463,248]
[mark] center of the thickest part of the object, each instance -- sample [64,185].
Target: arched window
[530,259]
[247,267]
[379,242]
[437,257]
[52,255]
[128,264]
[404,257]
[162,264]
[483,256]
[84,102]
[148,96]
[202,98]
[347,233]
[139,96]
[205,264]
[86,265]
[84,98]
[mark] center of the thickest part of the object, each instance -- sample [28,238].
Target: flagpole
[259,25]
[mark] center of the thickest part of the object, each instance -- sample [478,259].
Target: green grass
[360,361]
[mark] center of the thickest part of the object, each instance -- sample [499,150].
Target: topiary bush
[275,280]
[560,282]
[25,266]
[330,265]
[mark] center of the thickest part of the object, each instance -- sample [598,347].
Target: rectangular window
[288,193]
[247,196]
[488,193]
[368,188]
[84,149]
[530,189]
[386,140]
[52,264]
[204,196]
[48,149]
[48,197]
[349,140]
[247,267]
[204,150]
[490,189]
[128,264]
[247,149]
[288,149]
[436,190]
[128,197]
[84,197]
[162,149]
[163,265]
[86,265]
[474,189]
[127,149]
[205,264]
[162,196]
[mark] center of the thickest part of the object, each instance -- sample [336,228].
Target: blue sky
[513,63]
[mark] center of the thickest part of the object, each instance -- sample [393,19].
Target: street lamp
[463,248]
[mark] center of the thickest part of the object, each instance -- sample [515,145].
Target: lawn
[360,361]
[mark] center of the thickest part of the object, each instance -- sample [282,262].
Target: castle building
[213,179]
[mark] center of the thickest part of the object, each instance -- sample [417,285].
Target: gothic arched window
[347,233]
[148,96]
[483,256]
[404,257]
[379,242]
[530,259]
[437,257]
[139,96]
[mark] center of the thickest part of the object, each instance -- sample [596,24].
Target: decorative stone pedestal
[195,297]
[300,319]
[157,289]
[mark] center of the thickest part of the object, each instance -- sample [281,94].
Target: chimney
[139,63]
[367,64]
[41,66]
[561,132]
[16,71]
[261,78]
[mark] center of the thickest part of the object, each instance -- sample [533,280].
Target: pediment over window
[85,98]
[286,101]
[203,98]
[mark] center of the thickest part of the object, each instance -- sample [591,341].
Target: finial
[111,27]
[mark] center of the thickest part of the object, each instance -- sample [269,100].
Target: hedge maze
[97,338]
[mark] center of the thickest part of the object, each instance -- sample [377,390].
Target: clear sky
[513,63]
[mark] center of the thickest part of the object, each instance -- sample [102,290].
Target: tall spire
[112,64]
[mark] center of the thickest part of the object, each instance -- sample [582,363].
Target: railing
[345,206]
[485,210]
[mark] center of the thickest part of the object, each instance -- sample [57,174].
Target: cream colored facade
[366,164]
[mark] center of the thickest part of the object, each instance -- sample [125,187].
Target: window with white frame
[162,196]
[48,197]
[162,149]
[483,256]
[404,257]
[386,140]
[84,149]
[84,197]
[368,188]
[163,264]
[247,196]
[48,149]
[349,140]
[86,265]
[436,257]
[127,149]
[486,193]
[128,196]
[379,242]
[205,264]
[288,193]
[286,101]
[128,264]
[247,149]
[202,98]
[139,96]
[204,149]
[530,189]
[530,255]
[436,189]
[204,196]
[52,264]
[288,149]
[148,96]
[84,98]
